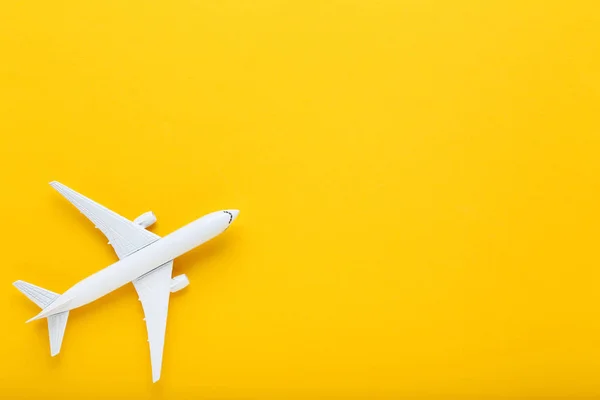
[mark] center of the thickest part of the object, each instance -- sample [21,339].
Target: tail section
[56,322]
[56,327]
[38,295]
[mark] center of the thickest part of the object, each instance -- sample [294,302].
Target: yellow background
[418,184]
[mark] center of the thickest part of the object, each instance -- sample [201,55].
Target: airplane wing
[125,236]
[154,289]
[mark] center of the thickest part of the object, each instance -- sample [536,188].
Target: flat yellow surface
[419,186]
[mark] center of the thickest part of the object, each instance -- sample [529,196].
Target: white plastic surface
[153,289]
[38,295]
[56,329]
[145,260]
[56,323]
[145,220]
[179,282]
[123,235]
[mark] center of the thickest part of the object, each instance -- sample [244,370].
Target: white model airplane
[145,259]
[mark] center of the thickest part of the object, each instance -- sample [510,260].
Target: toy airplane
[146,260]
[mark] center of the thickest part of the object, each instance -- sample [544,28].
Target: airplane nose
[233,214]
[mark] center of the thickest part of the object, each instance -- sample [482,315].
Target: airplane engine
[179,282]
[145,220]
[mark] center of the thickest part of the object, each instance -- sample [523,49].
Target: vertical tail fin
[57,322]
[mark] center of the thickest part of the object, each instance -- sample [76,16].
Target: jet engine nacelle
[179,282]
[145,220]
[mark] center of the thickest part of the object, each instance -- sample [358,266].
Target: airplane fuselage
[141,262]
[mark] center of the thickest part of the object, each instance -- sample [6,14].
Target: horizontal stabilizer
[38,295]
[56,328]
[56,322]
